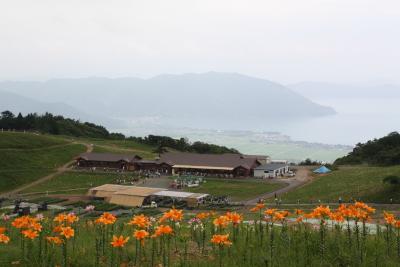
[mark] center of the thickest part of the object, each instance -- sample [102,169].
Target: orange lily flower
[221,240]
[140,221]
[389,218]
[258,207]
[30,234]
[234,217]
[55,240]
[221,221]
[269,212]
[202,215]
[67,232]
[141,235]
[4,239]
[119,242]
[163,230]
[106,218]
[60,218]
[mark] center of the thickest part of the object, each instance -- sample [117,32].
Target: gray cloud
[283,40]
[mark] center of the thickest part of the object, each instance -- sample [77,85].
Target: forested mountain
[382,151]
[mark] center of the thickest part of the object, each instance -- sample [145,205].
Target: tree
[159,150]
[7,120]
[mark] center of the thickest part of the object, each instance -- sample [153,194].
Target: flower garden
[342,237]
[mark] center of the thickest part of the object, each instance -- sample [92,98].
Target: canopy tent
[322,169]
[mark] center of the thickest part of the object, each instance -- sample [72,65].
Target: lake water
[357,120]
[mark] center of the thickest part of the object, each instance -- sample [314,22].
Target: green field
[74,180]
[121,147]
[27,157]
[15,140]
[350,183]
[236,189]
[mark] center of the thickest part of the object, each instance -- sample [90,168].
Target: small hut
[133,196]
[106,190]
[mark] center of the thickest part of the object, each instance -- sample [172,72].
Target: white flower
[5,217]
[39,216]
[89,208]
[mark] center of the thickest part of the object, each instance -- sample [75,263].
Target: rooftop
[217,161]
[271,166]
[109,157]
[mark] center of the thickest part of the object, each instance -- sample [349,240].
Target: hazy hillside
[214,96]
[36,103]
[17,103]
[315,90]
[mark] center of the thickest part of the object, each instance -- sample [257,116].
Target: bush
[391,179]
[48,200]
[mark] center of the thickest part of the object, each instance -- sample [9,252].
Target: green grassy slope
[27,157]
[15,140]
[361,182]
[74,180]
[121,147]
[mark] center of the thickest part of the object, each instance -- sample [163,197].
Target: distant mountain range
[208,96]
[17,103]
[318,90]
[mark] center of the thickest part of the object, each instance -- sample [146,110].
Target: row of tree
[48,123]
[383,151]
[58,125]
[181,144]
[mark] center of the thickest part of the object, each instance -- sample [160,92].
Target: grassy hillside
[16,140]
[123,147]
[27,157]
[74,180]
[360,182]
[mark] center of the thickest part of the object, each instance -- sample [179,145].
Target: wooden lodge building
[106,160]
[232,165]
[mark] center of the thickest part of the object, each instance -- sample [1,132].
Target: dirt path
[36,149]
[60,170]
[302,177]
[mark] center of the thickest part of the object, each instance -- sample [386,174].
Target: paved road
[60,170]
[302,177]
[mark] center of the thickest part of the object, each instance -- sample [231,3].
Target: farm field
[360,182]
[27,157]
[237,190]
[177,238]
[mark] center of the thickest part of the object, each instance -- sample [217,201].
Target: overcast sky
[281,40]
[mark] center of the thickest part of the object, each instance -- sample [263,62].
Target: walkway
[302,177]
